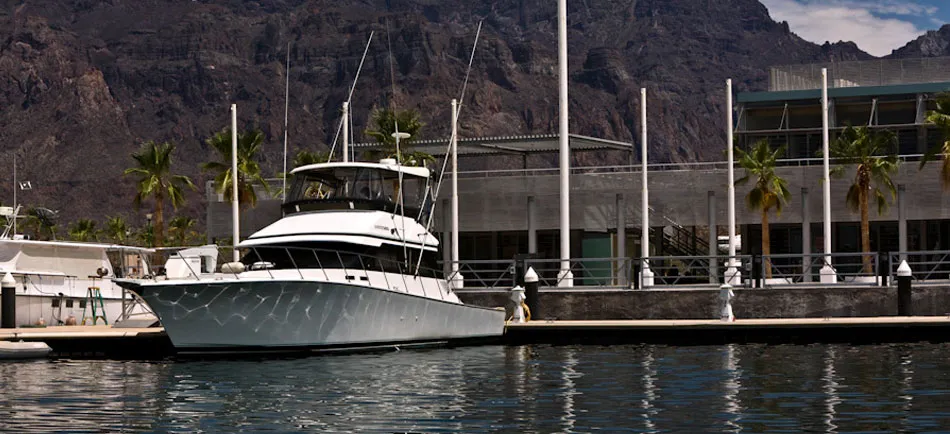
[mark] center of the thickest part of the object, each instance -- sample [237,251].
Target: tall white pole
[283,195]
[16,186]
[235,214]
[732,271]
[346,132]
[565,277]
[827,272]
[646,276]
[455,189]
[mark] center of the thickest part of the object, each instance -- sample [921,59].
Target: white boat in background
[57,281]
[350,265]
[19,350]
[54,278]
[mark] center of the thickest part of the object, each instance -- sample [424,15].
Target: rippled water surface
[750,388]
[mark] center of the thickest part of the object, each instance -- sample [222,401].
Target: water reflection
[509,389]
[830,389]
[650,394]
[568,374]
[732,386]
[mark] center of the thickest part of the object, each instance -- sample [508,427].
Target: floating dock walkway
[96,341]
[152,343]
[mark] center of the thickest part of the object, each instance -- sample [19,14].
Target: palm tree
[306,158]
[874,159]
[178,229]
[156,181]
[249,171]
[116,229]
[385,121]
[941,118]
[83,230]
[769,191]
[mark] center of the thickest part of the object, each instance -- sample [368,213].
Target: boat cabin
[364,186]
[306,238]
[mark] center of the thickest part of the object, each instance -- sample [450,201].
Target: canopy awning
[510,145]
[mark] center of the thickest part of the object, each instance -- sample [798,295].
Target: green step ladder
[95,304]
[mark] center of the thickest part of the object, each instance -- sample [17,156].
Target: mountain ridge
[87,81]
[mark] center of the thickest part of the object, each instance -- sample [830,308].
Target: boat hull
[275,315]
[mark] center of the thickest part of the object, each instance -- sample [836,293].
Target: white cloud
[851,20]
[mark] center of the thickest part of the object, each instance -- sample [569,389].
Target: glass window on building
[907,141]
[475,246]
[854,114]
[896,113]
[804,117]
[759,119]
[511,244]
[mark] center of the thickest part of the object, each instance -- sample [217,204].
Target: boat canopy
[69,258]
[363,186]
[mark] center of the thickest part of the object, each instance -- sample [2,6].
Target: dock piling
[904,299]
[531,292]
[8,301]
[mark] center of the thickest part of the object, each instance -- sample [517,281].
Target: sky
[877,26]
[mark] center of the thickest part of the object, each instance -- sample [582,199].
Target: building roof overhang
[508,145]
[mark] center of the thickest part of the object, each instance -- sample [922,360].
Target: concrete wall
[704,304]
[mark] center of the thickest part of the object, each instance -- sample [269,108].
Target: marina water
[635,388]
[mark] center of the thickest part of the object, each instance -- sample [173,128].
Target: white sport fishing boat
[350,265]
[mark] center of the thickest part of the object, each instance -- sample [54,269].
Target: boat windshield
[358,188]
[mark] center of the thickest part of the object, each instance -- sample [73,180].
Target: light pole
[646,275]
[565,276]
[733,275]
[827,271]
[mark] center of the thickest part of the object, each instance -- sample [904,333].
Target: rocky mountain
[84,82]
[935,43]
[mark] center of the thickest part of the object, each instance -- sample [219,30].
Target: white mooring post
[565,277]
[646,275]
[725,300]
[733,275]
[827,271]
[517,300]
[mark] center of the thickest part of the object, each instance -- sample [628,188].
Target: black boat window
[388,258]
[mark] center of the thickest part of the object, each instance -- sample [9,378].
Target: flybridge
[362,186]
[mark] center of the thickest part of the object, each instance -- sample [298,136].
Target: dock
[152,343]
[97,341]
[852,330]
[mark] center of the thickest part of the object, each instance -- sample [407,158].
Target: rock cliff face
[83,82]
[934,43]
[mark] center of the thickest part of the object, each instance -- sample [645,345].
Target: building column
[532,226]
[902,221]
[446,237]
[621,265]
[806,237]
[713,237]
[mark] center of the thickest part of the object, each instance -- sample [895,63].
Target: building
[506,212]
